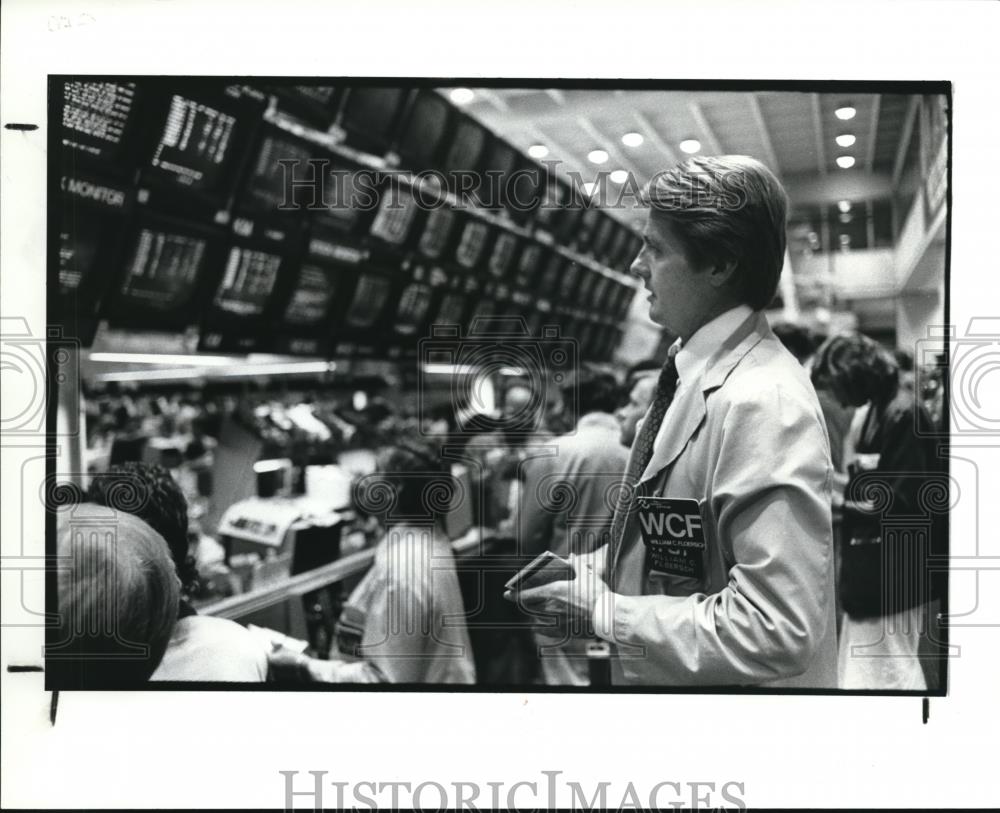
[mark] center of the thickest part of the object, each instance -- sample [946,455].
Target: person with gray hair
[117,594]
[719,565]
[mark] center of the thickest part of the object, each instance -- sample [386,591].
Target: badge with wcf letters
[674,537]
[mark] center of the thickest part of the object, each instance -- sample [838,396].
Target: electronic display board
[369,116]
[423,131]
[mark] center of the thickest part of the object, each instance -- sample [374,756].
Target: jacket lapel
[688,410]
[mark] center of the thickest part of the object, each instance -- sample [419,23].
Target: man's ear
[722,273]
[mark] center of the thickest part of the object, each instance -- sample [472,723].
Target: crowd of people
[787,467]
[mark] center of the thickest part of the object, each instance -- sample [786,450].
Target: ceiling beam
[649,131]
[494,98]
[609,144]
[557,96]
[699,118]
[873,134]
[559,152]
[904,139]
[765,136]
[850,184]
[818,127]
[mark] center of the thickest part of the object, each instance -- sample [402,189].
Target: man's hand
[571,601]
[287,666]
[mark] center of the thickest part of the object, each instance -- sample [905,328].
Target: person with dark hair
[117,596]
[201,648]
[565,503]
[401,623]
[797,340]
[885,613]
[150,493]
[719,568]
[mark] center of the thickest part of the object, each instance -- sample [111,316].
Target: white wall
[915,313]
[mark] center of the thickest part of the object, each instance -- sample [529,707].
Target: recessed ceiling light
[597,156]
[845,161]
[462,95]
[845,239]
[632,139]
[538,150]
[619,176]
[846,217]
[589,188]
[844,206]
[846,140]
[690,145]
[845,112]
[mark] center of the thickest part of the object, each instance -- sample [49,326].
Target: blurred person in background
[201,648]
[499,455]
[566,503]
[640,384]
[907,375]
[117,596]
[886,611]
[403,623]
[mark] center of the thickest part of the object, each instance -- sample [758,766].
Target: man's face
[639,400]
[679,294]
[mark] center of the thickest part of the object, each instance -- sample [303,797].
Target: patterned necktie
[642,450]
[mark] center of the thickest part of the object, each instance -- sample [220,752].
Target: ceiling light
[845,239]
[845,217]
[845,161]
[589,188]
[462,95]
[632,139]
[597,156]
[538,150]
[844,206]
[619,176]
[846,140]
[690,145]
[845,112]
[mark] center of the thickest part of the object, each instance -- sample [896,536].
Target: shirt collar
[695,353]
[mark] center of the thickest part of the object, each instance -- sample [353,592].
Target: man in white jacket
[719,565]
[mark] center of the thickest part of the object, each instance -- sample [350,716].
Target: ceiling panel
[782,124]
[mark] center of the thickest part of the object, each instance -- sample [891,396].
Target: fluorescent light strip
[298,368]
[449,369]
[160,358]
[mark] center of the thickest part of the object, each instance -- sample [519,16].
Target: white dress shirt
[691,360]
